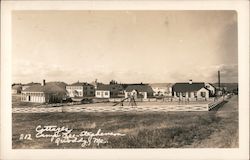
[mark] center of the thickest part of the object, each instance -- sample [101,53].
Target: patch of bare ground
[227,133]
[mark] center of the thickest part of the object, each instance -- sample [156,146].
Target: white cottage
[139,91]
[162,89]
[81,89]
[193,90]
[102,91]
[52,92]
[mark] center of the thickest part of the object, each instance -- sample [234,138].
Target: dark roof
[186,87]
[211,85]
[81,84]
[31,84]
[110,87]
[103,87]
[161,84]
[50,87]
[139,88]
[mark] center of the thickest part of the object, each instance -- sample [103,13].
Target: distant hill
[230,86]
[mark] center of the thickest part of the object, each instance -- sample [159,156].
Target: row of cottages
[139,91]
[162,89]
[52,92]
[109,91]
[193,90]
[117,91]
[80,89]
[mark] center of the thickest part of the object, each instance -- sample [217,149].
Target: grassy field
[216,129]
[16,102]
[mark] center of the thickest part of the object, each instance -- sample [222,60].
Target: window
[183,94]
[177,94]
[203,94]
[106,93]
[195,94]
[98,93]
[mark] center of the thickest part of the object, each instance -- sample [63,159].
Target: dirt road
[226,136]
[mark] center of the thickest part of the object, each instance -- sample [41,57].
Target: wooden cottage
[81,89]
[193,90]
[52,92]
[109,91]
[139,91]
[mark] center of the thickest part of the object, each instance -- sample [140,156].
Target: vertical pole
[219,79]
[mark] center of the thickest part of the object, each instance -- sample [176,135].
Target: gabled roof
[109,87]
[81,84]
[31,84]
[50,87]
[186,87]
[210,84]
[139,88]
[104,87]
[161,85]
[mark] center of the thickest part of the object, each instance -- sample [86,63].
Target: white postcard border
[242,8]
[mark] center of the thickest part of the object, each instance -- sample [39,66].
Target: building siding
[102,94]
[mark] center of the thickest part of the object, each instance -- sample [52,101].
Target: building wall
[202,93]
[203,90]
[135,94]
[102,94]
[81,91]
[36,97]
[14,91]
[74,91]
[210,88]
[162,91]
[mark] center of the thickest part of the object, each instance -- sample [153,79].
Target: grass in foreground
[143,130]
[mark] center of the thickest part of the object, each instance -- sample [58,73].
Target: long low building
[52,92]
[193,90]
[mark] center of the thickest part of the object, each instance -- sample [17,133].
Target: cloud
[27,71]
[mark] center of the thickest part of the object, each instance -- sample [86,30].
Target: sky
[127,46]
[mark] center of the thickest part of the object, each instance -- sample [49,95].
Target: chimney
[190,81]
[219,79]
[43,84]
